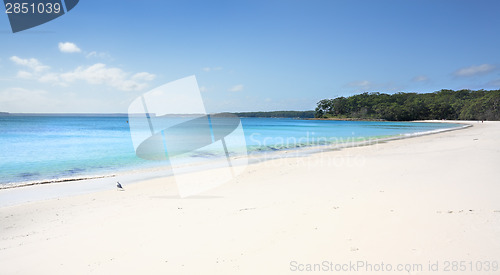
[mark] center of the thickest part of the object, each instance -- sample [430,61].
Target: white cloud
[364,84]
[210,69]
[420,78]
[95,54]
[31,63]
[236,88]
[24,100]
[68,47]
[143,76]
[97,74]
[24,74]
[203,89]
[50,78]
[368,86]
[111,76]
[475,70]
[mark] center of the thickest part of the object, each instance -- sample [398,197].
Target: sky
[247,55]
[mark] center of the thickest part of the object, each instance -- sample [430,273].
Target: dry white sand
[428,199]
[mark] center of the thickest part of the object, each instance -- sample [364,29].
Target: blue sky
[247,55]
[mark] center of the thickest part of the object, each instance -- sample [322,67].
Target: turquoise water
[40,148]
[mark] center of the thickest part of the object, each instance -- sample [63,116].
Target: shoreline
[258,156]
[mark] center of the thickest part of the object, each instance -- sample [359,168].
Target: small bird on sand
[119,186]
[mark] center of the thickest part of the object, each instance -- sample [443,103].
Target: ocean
[36,148]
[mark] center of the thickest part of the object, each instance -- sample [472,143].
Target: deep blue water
[38,148]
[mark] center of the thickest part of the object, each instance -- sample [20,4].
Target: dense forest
[281,114]
[444,104]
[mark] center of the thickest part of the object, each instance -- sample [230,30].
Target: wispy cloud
[475,70]
[31,63]
[49,78]
[211,69]
[14,99]
[144,76]
[95,54]
[24,74]
[68,47]
[363,84]
[368,86]
[236,88]
[420,78]
[97,74]
[111,76]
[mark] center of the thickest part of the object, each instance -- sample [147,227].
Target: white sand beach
[422,204]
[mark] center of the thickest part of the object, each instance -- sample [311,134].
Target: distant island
[443,104]
[272,114]
[278,114]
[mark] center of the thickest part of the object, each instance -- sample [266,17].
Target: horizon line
[126,114]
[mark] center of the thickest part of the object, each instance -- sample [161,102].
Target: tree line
[443,104]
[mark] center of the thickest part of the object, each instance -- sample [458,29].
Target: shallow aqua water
[37,148]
